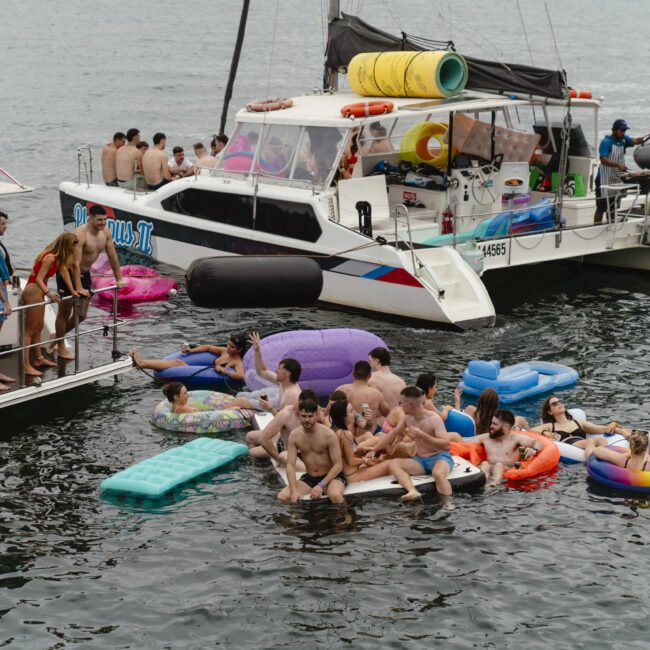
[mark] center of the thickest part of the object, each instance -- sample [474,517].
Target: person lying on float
[178,397]
[228,360]
[502,446]
[560,425]
[635,458]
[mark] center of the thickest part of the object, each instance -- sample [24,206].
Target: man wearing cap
[612,167]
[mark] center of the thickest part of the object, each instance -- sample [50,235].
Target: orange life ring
[579,94]
[366,109]
[544,461]
[264,105]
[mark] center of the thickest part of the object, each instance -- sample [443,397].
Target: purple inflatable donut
[327,357]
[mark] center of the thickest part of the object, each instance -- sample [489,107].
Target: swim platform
[159,474]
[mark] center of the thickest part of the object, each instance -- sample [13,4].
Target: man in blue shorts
[430,442]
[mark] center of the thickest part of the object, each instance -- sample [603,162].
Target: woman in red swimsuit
[58,255]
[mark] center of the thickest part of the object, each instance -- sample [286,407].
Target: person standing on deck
[6,271]
[612,167]
[93,238]
[128,163]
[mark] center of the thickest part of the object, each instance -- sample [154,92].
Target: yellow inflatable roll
[408,74]
[415,144]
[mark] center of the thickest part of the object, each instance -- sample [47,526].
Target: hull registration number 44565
[494,249]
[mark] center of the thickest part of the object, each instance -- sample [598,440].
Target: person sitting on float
[178,397]
[486,406]
[502,446]
[635,458]
[228,362]
[559,424]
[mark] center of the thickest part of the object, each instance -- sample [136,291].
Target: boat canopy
[349,36]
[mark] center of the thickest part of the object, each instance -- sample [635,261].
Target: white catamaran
[442,191]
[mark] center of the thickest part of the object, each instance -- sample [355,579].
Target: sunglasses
[556,402]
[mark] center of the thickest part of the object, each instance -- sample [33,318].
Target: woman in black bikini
[636,458]
[228,362]
[559,425]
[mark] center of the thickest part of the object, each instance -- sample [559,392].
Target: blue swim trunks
[428,462]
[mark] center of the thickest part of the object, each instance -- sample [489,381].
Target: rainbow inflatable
[619,478]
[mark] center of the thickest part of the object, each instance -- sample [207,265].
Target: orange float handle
[264,105]
[579,94]
[366,109]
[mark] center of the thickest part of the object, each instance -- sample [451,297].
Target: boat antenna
[233,65]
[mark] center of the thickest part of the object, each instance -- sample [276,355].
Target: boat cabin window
[285,218]
[278,150]
[318,152]
[240,152]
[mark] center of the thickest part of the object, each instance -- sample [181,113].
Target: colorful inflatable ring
[366,109]
[544,461]
[619,478]
[415,144]
[265,105]
[579,94]
[213,415]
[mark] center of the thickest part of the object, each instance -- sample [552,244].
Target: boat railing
[76,333]
[620,216]
[402,211]
[85,165]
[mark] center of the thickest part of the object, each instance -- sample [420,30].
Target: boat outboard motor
[242,281]
[642,156]
[364,209]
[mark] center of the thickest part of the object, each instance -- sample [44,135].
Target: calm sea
[558,564]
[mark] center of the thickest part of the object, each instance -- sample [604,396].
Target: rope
[530,53]
[557,49]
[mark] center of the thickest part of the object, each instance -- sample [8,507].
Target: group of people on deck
[376,425]
[67,259]
[129,162]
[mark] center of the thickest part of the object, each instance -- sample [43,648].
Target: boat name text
[121,230]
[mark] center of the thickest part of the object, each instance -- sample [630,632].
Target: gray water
[555,562]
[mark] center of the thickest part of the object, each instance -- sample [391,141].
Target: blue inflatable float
[199,373]
[460,423]
[514,383]
[159,474]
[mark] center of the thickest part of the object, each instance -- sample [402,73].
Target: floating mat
[155,476]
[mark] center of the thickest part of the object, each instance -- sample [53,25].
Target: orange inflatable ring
[543,461]
[579,94]
[264,105]
[366,109]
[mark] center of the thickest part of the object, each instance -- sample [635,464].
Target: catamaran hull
[376,287]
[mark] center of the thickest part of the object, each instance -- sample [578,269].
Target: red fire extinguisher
[447,222]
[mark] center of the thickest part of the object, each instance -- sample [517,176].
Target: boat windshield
[284,151]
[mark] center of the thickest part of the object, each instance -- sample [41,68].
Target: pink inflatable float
[141,282]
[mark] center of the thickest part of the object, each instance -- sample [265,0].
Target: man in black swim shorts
[94,238]
[320,451]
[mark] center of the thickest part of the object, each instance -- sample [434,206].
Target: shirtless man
[286,376]
[109,172]
[94,238]
[203,158]
[431,446]
[129,159]
[155,165]
[283,424]
[502,446]
[368,402]
[386,382]
[320,451]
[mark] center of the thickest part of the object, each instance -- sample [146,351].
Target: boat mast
[331,77]
[233,65]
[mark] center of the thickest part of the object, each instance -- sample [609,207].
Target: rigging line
[557,49]
[467,37]
[391,15]
[323,24]
[530,52]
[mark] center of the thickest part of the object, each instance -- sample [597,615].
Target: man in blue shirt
[612,167]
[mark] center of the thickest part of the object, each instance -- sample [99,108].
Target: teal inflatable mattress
[155,476]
